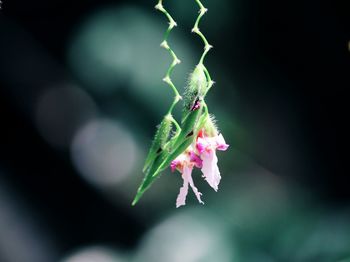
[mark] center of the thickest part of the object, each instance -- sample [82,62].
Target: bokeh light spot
[60,111]
[120,48]
[94,254]
[104,152]
[187,237]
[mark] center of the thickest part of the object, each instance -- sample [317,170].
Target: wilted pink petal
[181,198]
[173,165]
[190,181]
[210,169]
[186,176]
[201,145]
[195,159]
[221,144]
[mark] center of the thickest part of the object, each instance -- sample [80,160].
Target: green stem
[207,46]
[177,126]
[196,30]
[165,45]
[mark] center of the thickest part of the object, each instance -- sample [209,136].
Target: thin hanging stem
[207,46]
[165,45]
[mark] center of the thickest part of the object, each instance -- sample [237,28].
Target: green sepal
[160,138]
[190,128]
[149,179]
[188,125]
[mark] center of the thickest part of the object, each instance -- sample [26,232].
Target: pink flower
[207,147]
[185,163]
[204,157]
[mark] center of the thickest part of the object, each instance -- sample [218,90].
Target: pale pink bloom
[203,157]
[187,178]
[207,147]
[185,163]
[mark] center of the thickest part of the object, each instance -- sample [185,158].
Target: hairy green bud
[160,138]
[196,88]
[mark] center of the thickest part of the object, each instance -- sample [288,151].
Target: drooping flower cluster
[201,155]
[192,141]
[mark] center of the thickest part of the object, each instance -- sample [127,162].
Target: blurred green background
[81,94]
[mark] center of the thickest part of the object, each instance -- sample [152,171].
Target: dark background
[290,63]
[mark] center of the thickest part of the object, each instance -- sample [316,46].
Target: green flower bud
[196,88]
[160,138]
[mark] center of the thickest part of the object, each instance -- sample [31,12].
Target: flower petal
[210,169]
[201,145]
[195,190]
[195,159]
[220,143]
[178,162]
[181,198]
[173,165]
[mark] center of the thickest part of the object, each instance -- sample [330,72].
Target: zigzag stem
[164,44]
[207,46]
